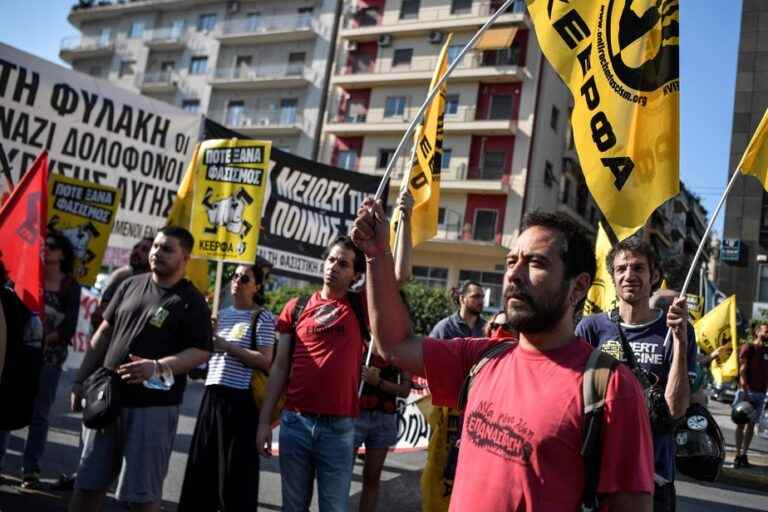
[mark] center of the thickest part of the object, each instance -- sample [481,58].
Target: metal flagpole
[703,241]
[417,118]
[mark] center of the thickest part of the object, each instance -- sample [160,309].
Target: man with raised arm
[522,432]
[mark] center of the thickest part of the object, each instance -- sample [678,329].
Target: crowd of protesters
[333,364]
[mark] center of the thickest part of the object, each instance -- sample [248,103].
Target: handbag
[101,393]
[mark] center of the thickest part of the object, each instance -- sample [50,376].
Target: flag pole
[217,287]
[417,118]
[704,241]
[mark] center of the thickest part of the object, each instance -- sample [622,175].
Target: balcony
[456,178]
[361,25]
[261,77]
[157,82]
[260,122]
[460,238]
[81,47]
[170,38]
[362,73]
[266,29]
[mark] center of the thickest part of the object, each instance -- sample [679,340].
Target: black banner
[309,204]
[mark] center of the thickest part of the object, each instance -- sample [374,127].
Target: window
[484,227]
[137,29]
[384,156]
[434,277]
[198,66]
[549,174]
[394,106]
[762,284]
[242,66]
[409,9]
[581,199]
[347,159]
[452,104]
[177,28]
[453,52]
[445,161]
[357,111]
[493,165]
[491,281]
[167,66]
[441,216]
[104,36]
[253,21]
[296,63]
[461,6]
[288,108]
[368,16]
[206,22]
[554,117]
[501,107]
[191,106]
[402,57]
[306,10]
[235,113]
[566,196]
[127,68]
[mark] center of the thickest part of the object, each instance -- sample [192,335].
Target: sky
[709,46]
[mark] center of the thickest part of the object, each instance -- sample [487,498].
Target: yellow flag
[181,215]
[436,486]
[602,294]
[620,59]
[755,159]
[664,285]
[424,178]
[716,329]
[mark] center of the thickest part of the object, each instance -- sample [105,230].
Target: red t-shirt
[325,368]
[756,359]
[521,441]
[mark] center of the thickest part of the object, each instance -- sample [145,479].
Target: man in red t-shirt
[753,383]
[522,431]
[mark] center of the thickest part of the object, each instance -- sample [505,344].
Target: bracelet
[371,259]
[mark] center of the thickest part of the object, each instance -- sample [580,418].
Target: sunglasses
[241,278]
[52,245]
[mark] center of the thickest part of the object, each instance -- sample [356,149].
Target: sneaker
[30,479]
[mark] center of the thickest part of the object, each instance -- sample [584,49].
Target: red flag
[22,233]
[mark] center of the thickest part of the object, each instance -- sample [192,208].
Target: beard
[535,316]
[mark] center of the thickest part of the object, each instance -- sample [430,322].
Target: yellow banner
[230,181]
[436,486]
[181,215]
[620,59]
[716,329]
[424,177]
[602,294]
[754,162]
[84,213]
[695,306]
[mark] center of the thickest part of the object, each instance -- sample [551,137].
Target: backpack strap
[254,324]
[492,352]
[597,373]
[356,302]
[298,309]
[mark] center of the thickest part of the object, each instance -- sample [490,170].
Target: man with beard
[753,383]
[467,322]
[635,269]
[156,329]
[521,439]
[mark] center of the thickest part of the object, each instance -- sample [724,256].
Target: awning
[496,39]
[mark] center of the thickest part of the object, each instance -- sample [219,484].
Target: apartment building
[256,67]
[507,150]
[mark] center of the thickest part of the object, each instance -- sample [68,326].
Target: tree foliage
[276,299]
[427,306]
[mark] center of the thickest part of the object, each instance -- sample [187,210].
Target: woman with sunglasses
[223,466]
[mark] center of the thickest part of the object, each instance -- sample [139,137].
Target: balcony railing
[157,78]
[267,24]
[258,118]
[168,35]
[364,64]
[358,18]
[84,43]
[479,172]
[268,71]
[463,114]
[466,233]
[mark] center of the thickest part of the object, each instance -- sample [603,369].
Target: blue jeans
[37,435]
[321,445]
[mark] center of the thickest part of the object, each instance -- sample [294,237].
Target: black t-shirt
[156,322]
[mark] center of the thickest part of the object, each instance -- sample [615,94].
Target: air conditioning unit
[233,7]
[351,46]
[385,40]
[436,37]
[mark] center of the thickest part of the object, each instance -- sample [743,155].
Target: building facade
[507,146]
[255,67]
[260,68]
[743,269]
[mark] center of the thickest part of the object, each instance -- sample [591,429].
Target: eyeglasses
[241,278]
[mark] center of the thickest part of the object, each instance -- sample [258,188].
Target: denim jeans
[321,445]
[37,434]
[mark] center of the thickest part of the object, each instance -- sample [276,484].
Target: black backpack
[23,363]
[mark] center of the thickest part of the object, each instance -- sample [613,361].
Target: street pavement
[400,480]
